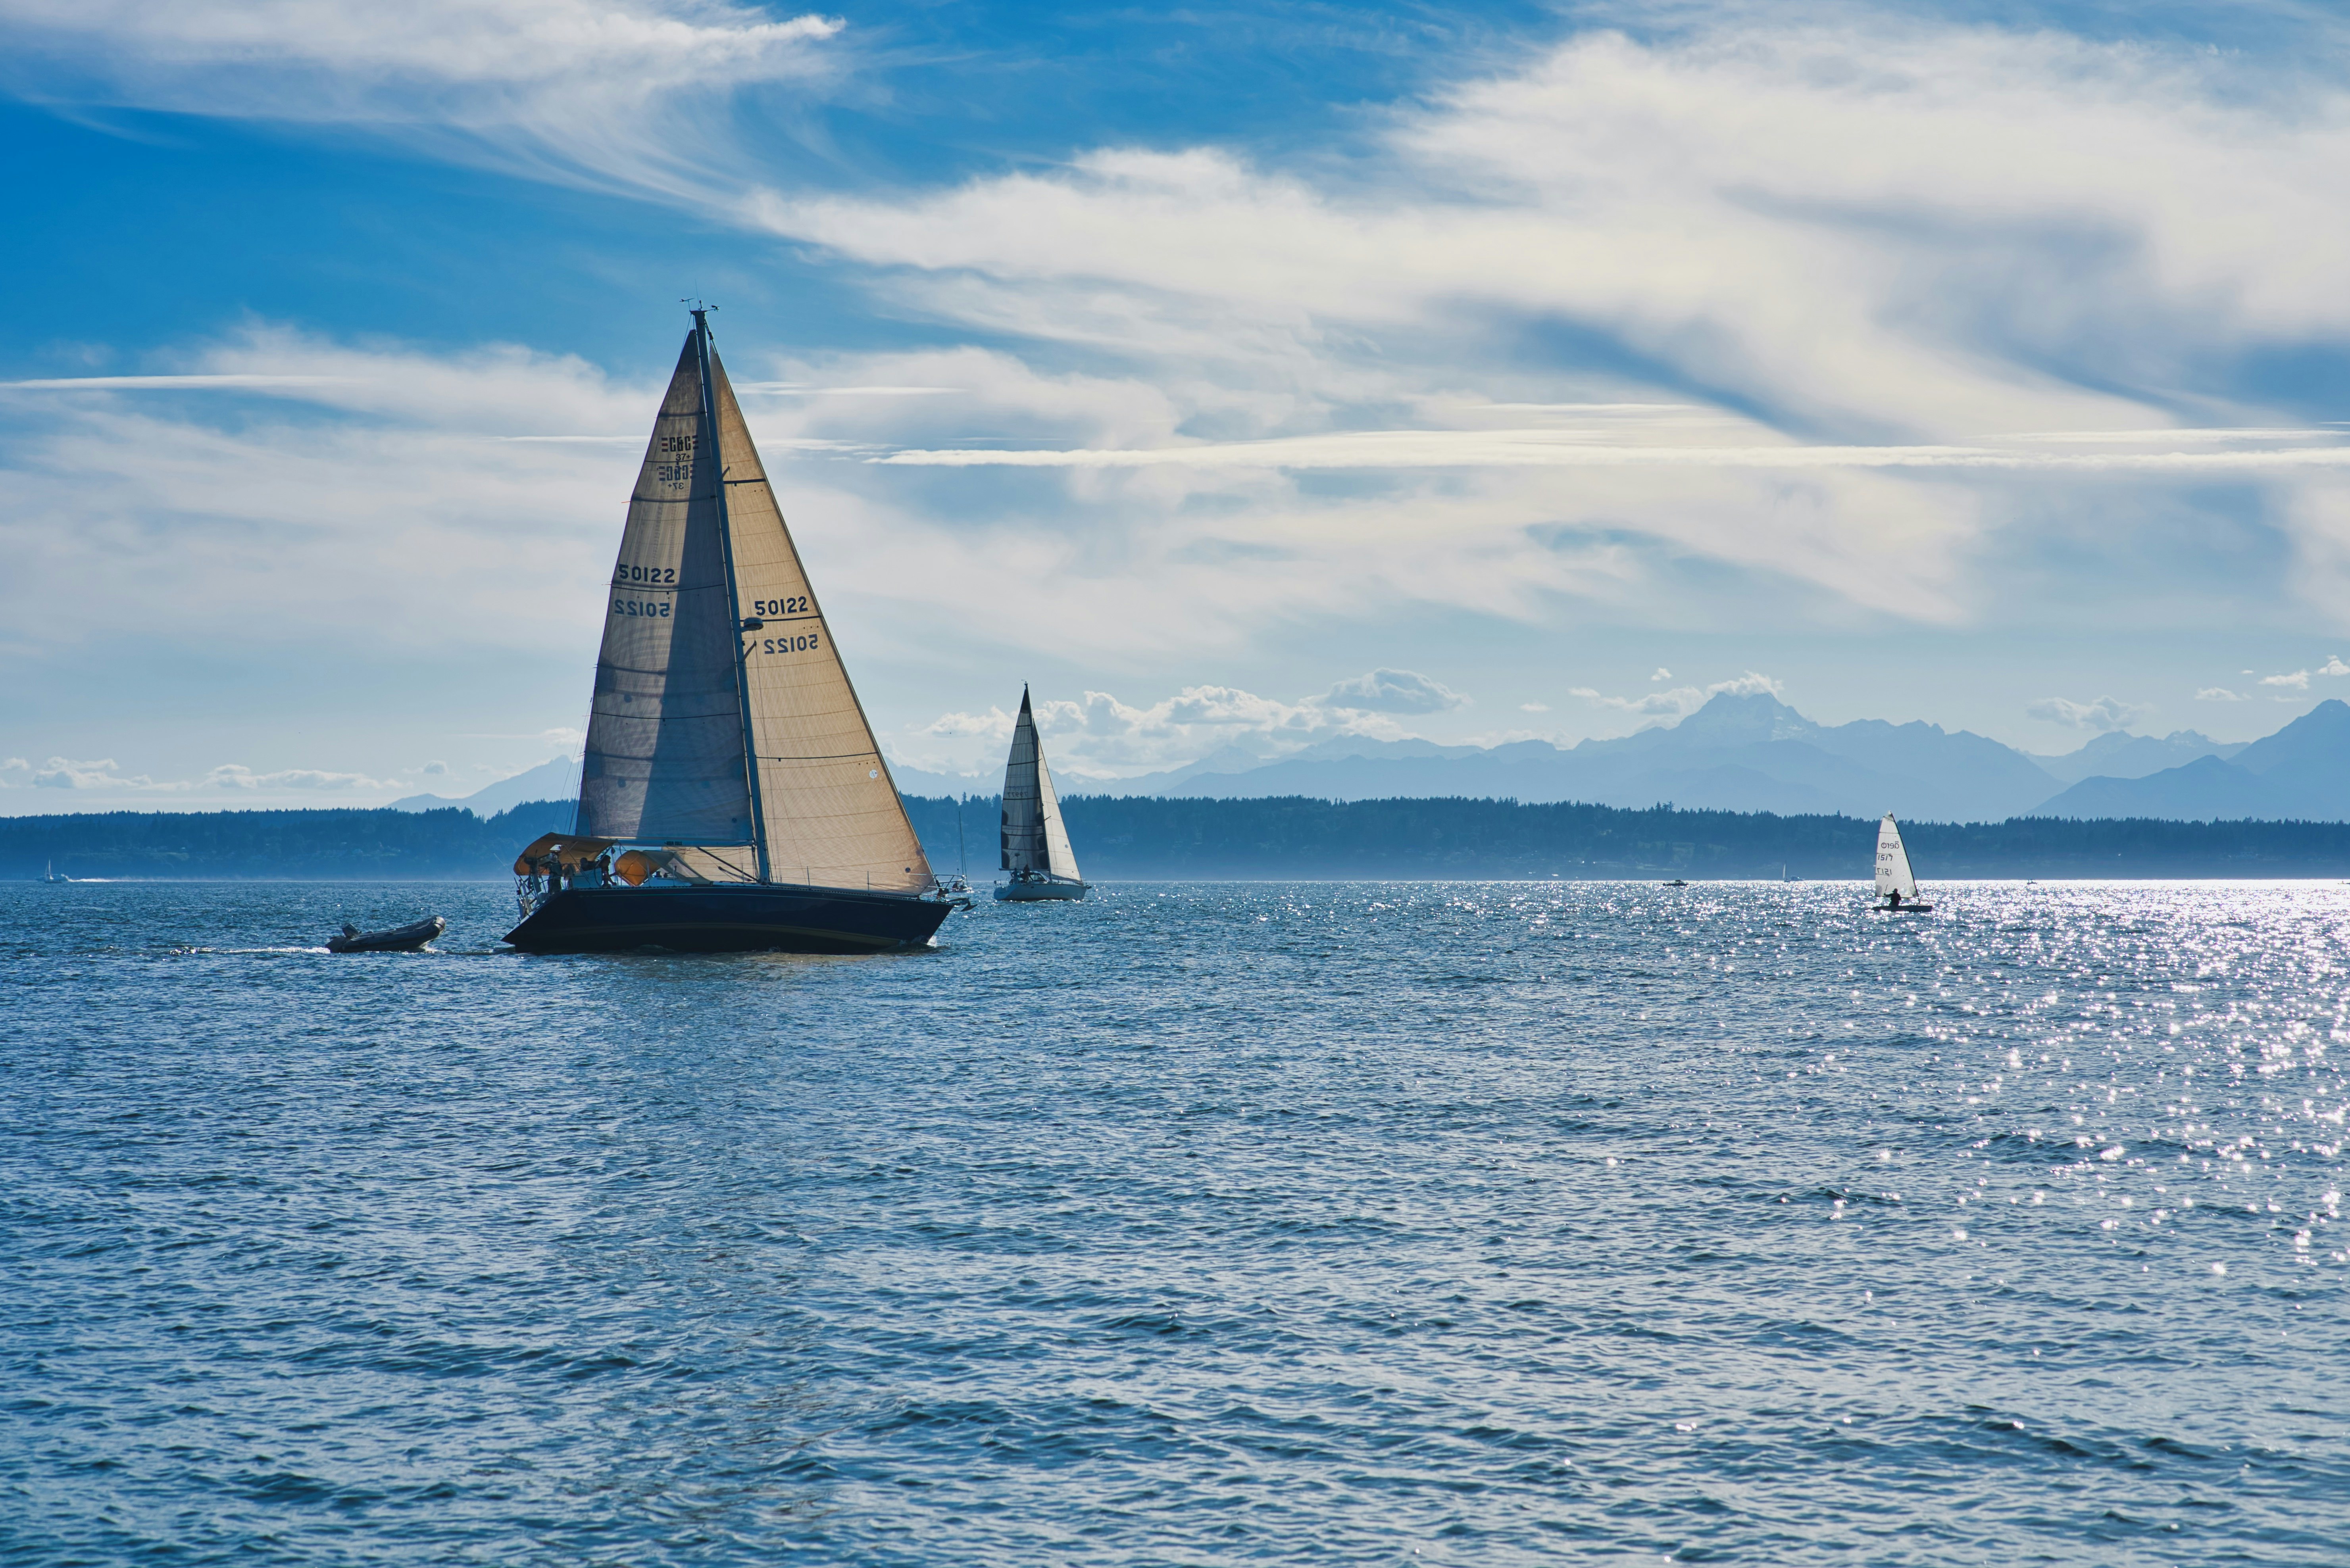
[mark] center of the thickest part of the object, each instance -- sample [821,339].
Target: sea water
[1380,1223]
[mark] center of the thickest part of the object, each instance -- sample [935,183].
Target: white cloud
[1680,700]
[624,93]
[1662,674]
[340,487]
[2218,694]
[106,777]
[1104,737]
[1885,280]
[2104,713]
[1943,236]
[1533,707]
[995,724]
[2298,679]
[1393,691]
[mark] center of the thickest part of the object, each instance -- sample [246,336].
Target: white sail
[829,807]
[688,691]
[664,750]
[1893,874]
[1035,837]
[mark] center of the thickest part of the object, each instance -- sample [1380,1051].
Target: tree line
[1152,837]
[1294,837]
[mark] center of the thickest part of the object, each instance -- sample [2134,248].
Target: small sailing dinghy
[732,797]
[1035,842]
[1897,887]
[407,939]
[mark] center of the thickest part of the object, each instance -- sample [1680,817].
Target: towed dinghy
[407,938]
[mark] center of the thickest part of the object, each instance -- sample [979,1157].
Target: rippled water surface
[1196,1224]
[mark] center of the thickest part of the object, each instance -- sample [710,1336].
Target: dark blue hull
[728,918]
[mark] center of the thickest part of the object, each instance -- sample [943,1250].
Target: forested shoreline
[1148,839]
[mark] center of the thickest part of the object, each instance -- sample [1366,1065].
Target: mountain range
[1738,752]
[1754,752]
[557,778]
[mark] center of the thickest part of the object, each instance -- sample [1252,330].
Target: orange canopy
[568,852]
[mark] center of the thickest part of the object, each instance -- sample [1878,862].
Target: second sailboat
[1035,842]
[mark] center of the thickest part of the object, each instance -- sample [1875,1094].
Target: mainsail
[1893,875]
[1035,838]
[664,754]
[723,718]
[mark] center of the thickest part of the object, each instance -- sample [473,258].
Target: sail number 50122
[796,606]
[800,644]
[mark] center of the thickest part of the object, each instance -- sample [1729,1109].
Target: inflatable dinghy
[406,938]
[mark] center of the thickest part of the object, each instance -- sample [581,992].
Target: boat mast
[737,626]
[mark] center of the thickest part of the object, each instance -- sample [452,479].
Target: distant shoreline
[1198,839]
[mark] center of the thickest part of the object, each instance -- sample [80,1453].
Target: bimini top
[566,850]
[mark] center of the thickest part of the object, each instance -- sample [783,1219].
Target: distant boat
[1896,886]
[1783,874]
[1035,841]
[1676,882]
[51,876]
[732,797]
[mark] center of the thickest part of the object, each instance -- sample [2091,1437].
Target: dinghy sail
[724,741]
[1897,887]
[1035,841]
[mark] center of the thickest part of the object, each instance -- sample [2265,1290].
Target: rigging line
[833,757]
[717,457]
[728,865]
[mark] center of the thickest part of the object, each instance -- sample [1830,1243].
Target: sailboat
[1896,886]
[51,875]
[1035,841]
[731,797]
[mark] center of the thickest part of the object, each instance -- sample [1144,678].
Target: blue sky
[1984,364]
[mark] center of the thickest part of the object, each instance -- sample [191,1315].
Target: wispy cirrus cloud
[1572,449]
[1973,265]
[282,488]
[624,93]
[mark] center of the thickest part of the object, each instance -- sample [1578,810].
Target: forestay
[1893,874]
[1035,837]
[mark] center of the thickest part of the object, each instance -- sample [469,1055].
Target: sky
[1233,376]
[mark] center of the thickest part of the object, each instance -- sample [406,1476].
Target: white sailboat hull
[1036,888]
